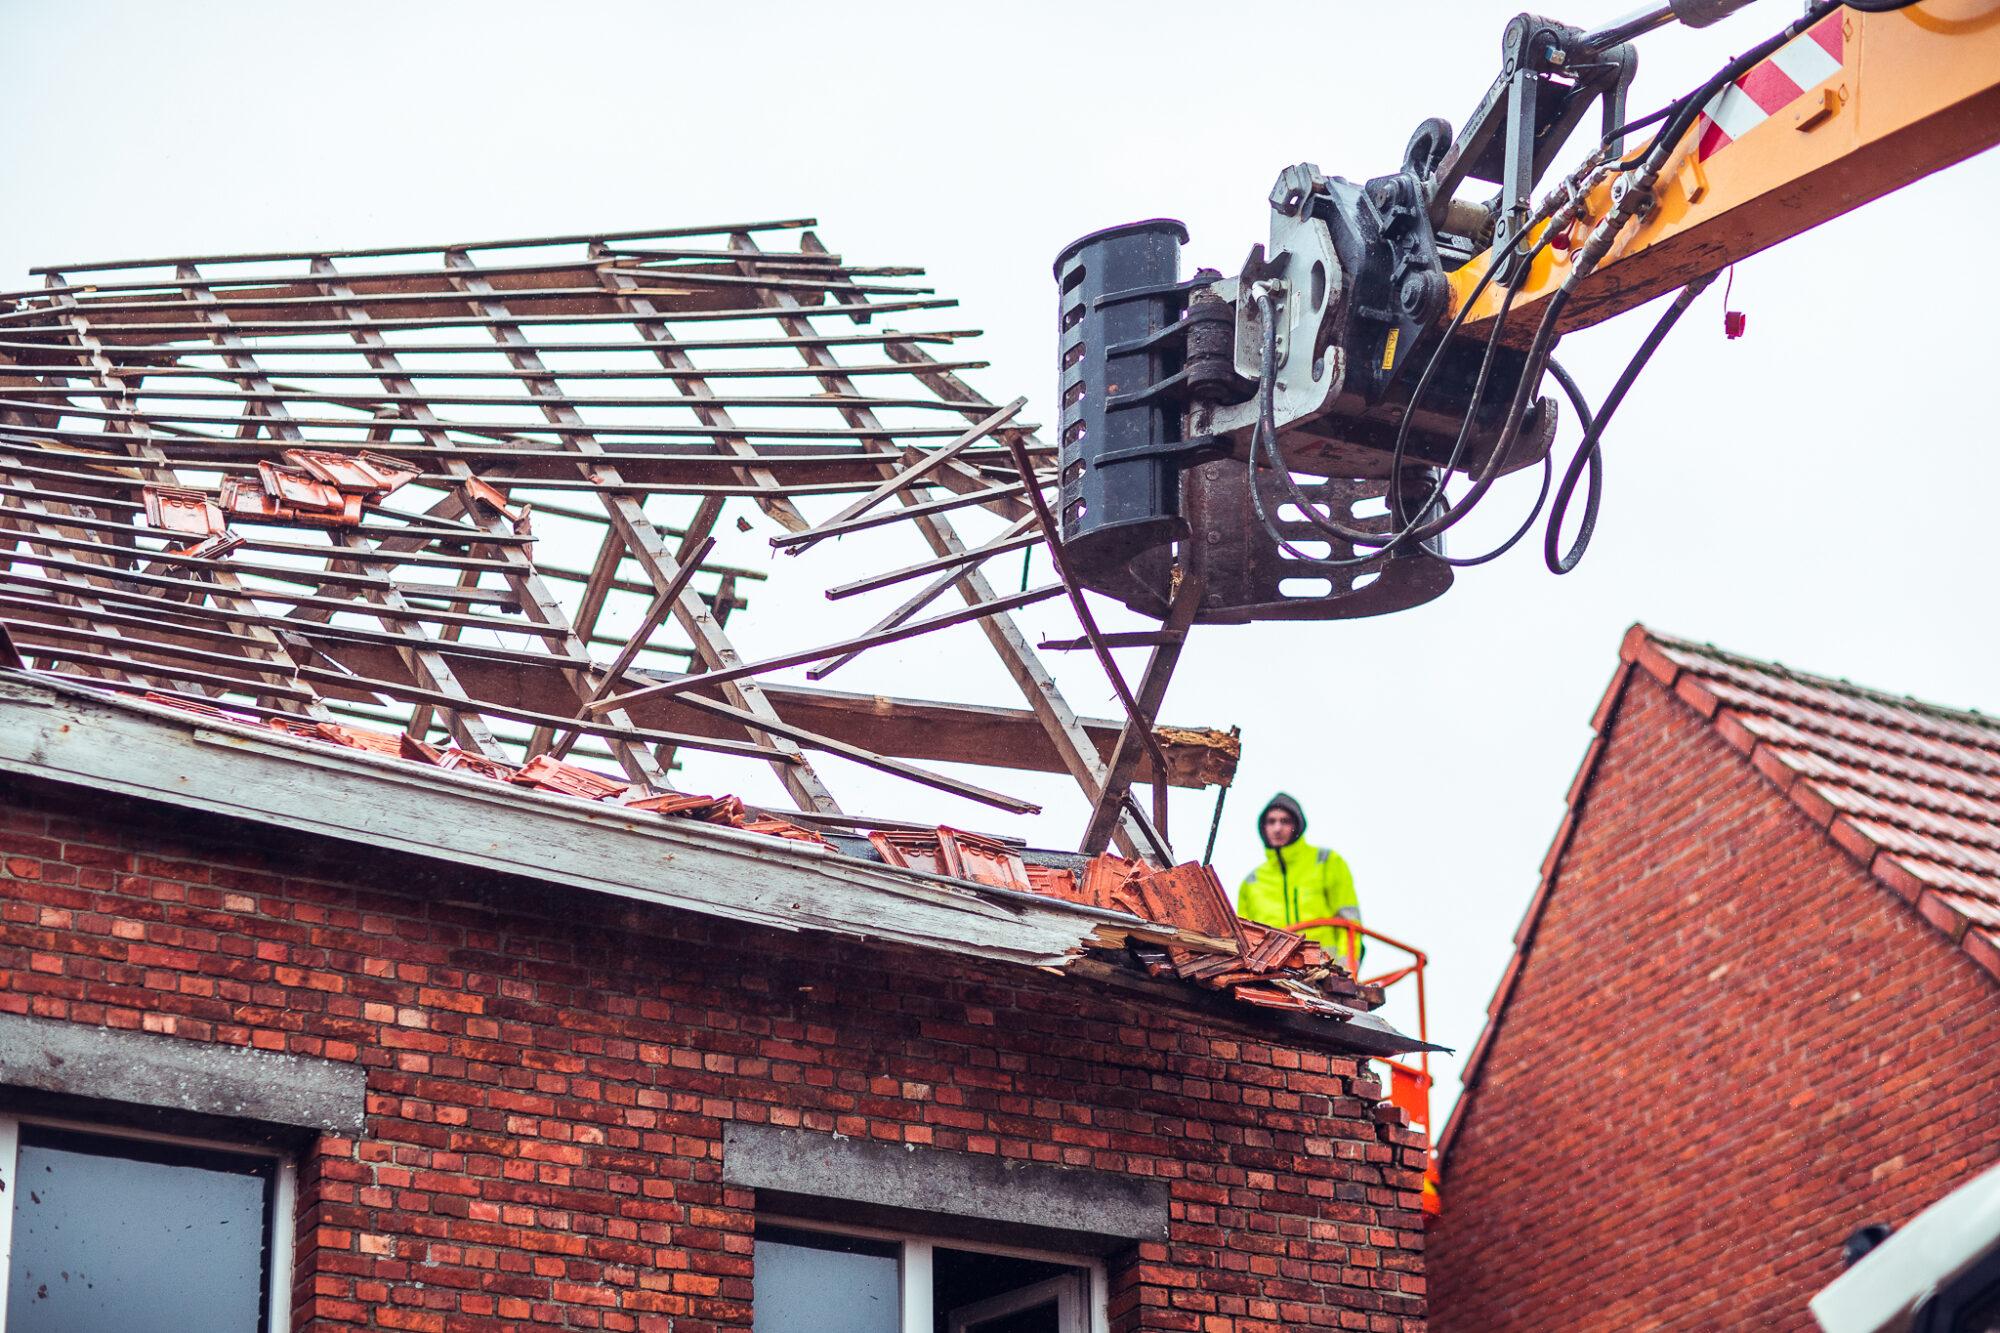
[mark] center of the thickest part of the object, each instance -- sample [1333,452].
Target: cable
[1264,439]
[1585,261]
[1594,434]
[1264,435]
[1489,471]
[1590,454]
[1604,144]
[1691,105]
[1633,200]
[1466,562]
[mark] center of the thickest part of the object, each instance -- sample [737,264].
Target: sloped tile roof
[1910,789]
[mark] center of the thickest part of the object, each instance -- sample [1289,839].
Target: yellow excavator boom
[1857,106]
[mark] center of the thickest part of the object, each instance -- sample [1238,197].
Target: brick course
[1727,1046]
[549,1074]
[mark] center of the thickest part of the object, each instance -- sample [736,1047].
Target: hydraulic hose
[1594,433]
[1632,198]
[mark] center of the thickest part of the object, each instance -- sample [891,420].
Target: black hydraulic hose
[1264,440]
[1639,124]
[1541,498]
[1264,437]
[1266,424]
[1398,511]
[1546,335]
[1594,435]
[1510,429]
[1680,116]
[1487,475]
[1588,454]
[1503,444]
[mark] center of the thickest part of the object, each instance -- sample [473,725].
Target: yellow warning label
[1389,350]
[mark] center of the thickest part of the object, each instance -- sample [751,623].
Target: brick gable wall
[1728,1046]
[549,1074]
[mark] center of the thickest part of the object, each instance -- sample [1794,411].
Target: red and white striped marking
[1802,64]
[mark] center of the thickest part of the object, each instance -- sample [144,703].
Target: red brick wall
[1728,1048]
[550,1072]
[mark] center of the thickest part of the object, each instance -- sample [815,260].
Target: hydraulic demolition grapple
[1286,434]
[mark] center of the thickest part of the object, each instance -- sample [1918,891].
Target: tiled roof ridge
[1839,684]
[1961,903]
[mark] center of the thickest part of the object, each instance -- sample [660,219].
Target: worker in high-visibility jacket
[1300,882]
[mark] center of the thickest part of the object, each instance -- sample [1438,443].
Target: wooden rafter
[205,382]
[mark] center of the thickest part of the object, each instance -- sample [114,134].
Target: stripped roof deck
[563,424]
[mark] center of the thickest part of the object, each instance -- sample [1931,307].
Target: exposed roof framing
[308,484]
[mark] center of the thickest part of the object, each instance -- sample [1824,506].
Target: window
[814,1280]
[116,1229]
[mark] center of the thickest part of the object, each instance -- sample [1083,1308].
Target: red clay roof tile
[1983,946]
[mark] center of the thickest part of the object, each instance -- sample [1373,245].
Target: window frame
[914,1267]
[1027,1298]
[281,1241]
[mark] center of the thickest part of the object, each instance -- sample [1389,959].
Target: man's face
[1279,828]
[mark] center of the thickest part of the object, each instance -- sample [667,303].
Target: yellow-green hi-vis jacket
[1300,882]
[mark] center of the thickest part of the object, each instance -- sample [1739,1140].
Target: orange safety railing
[1409,1084]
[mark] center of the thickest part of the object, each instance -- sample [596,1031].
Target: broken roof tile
[1270,948]
[909,851]
[181,509]
[246,499]
[1107,883]
[672,803]
[1055,882]
[477,764]
[726,810]
[553,774]
[297,488]
[195,706]
[773,827]
[367,474]
[1192,897]
[982,860]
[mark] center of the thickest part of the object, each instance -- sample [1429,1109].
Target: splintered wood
[418,486]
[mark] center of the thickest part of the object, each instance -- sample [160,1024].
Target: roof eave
[80,737]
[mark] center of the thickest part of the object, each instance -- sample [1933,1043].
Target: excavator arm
[1854,107]
[1284,440]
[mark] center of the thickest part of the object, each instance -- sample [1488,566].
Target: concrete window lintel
[175,1074]
[970,1194]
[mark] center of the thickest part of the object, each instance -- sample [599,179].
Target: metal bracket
[1304,275]
[1548,80]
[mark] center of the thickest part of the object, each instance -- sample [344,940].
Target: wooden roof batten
[178,439]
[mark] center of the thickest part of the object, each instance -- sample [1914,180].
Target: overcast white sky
[1817,492]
